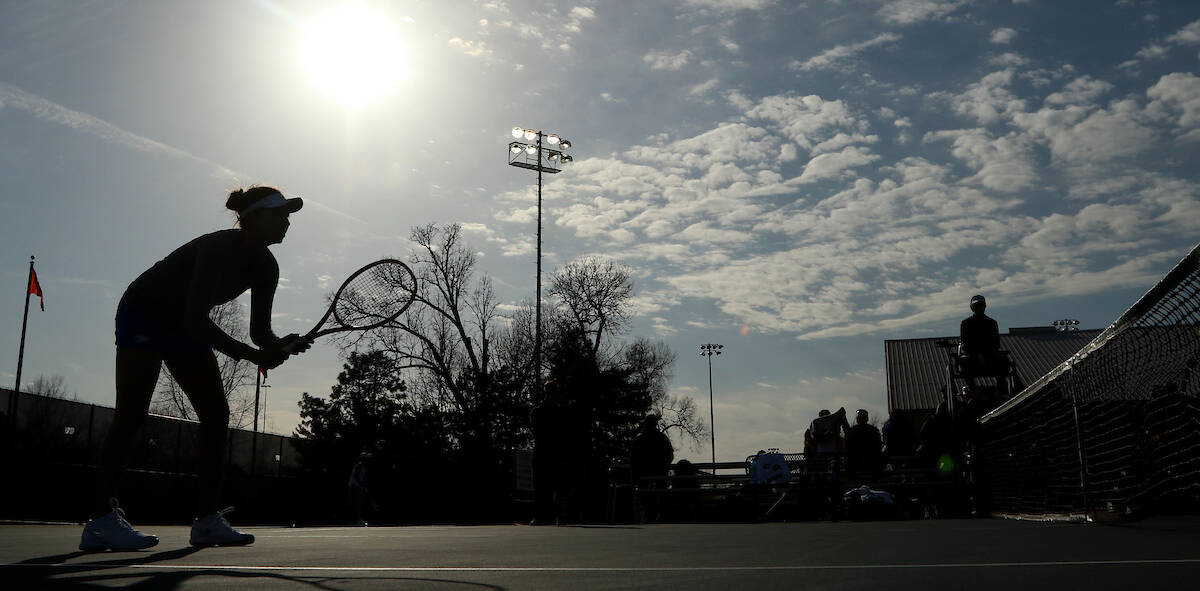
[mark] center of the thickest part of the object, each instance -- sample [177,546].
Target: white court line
[535,569]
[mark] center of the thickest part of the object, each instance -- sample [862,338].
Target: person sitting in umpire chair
[979,353]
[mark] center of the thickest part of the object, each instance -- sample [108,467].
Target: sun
[354,54]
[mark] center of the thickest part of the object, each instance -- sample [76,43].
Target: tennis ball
[945,463]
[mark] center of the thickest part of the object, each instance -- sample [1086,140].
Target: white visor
[273,201]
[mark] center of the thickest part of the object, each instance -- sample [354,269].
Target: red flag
[35,288]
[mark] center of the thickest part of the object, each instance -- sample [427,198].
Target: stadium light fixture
[708,350]
[534,156]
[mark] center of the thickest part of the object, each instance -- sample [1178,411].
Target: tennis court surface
[974,554]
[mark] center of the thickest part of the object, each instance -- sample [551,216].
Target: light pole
[259,377]
[708,350]
[534,156]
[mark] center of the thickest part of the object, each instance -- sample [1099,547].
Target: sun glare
[354,54]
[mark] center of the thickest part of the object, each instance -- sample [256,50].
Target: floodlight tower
[1066,325]
[532,155]
[708,350]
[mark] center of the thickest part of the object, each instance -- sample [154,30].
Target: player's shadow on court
[53,572]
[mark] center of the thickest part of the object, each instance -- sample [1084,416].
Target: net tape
[1116,427]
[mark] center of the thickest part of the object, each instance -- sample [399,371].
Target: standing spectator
[864,447]
[651,459]
[898,437]
[827,431]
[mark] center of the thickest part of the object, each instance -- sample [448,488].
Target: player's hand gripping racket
[371,297]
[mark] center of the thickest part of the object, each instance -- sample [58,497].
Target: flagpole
[24,322]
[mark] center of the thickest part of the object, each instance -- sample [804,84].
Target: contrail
[47,110]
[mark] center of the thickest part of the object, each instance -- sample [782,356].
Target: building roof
[916,368]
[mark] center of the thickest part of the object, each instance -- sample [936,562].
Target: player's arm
[197,308]
[262,301]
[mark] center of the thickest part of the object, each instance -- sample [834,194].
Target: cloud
[660,60]
[731,5]
[806,120]
[826,166]
[551,30]
[1079,91]
[471,48]
[990,100]
[909,12]
[577,16]
[1008,60]
[1085,134]
[786,218]
[1003,164]
[1003,35]
[1188,35]
[704,87]
[1177,98]
[830,57]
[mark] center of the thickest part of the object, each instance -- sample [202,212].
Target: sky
[797,181]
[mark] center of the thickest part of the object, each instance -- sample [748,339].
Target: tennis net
[1115,429]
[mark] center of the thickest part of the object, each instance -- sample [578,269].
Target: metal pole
[254,440]
[537,339]
[1082,451]
[24,322]
[712,417]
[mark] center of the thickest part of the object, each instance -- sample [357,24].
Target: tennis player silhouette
[163,318]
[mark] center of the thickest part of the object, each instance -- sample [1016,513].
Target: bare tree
[237,376]
[652,364]
[54,386]
[595,292]
[447,336]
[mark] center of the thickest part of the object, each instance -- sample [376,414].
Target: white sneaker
[113,532]
[213,530]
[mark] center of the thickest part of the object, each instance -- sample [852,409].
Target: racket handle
[288,348]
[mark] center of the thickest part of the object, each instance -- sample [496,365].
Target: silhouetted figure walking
[356,487]
[163,319]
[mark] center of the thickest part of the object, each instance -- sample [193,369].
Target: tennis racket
[369,298]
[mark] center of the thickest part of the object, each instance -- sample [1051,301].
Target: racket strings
[375,296]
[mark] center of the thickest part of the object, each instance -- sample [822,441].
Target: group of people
[864,447]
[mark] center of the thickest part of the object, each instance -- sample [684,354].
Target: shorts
[139,330]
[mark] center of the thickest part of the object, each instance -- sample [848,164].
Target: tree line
[450,388]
